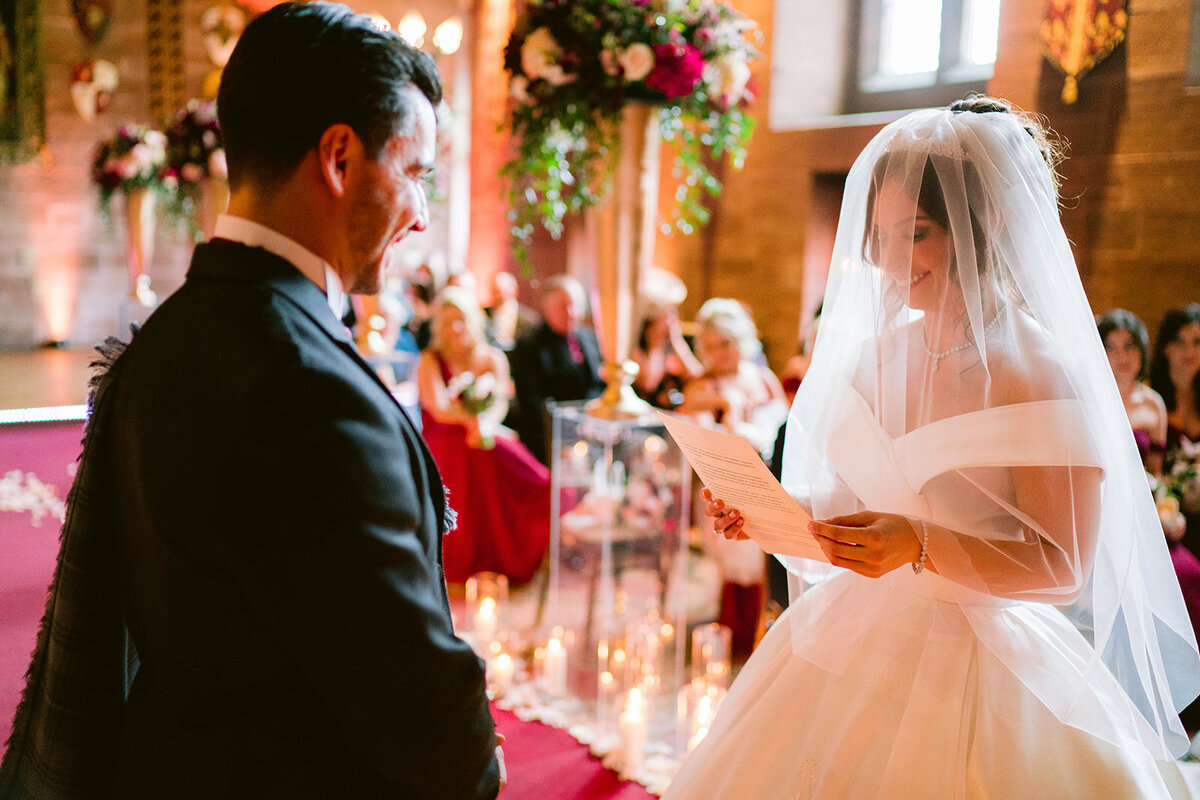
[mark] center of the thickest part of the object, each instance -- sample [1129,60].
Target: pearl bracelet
[919,565]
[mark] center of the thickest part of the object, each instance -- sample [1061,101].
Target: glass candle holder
[711,660]
[487,594]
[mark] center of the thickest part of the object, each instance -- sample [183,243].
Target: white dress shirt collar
[311,265]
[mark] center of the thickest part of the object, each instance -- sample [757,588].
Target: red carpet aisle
[545,763]
[37,462]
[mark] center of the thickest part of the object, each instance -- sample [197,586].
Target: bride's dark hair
[1047,141]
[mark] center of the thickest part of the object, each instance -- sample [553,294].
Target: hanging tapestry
[1079,34]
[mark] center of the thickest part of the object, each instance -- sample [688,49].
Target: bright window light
[910,36]
[981,24]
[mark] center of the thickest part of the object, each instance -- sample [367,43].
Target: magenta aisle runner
[37,464]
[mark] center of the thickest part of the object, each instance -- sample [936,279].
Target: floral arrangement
[194,150]
[574,64]
[473,394]
[1181,480]
[135,157]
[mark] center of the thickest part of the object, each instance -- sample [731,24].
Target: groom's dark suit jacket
[281,522]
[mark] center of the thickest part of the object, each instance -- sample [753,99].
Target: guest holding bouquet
[500,492]
[1126,343]
[1175,374]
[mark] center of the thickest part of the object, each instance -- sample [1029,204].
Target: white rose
[727,77]
[637,60]
[104,75]
[141,156]
[540,51]
[217,166]
[608,62]
[556,76]
[518,89]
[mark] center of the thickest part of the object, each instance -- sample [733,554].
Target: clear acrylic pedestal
[616,601]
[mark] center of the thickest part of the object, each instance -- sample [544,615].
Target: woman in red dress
[500,492]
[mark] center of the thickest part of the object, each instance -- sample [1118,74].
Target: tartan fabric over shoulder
[66,734]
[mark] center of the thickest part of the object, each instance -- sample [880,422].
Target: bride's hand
[870,543]
[727,522]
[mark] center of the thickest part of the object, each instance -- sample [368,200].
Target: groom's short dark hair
[299,68]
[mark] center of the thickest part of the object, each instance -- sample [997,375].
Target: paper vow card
[733,470]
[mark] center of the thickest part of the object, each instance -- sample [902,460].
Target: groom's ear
[335,149]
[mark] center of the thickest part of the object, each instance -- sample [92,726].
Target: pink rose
[217,167]
[191,173]
[637,61]
[677,70]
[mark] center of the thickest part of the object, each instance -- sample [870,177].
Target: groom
[270,518]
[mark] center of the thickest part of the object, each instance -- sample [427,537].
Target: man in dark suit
[558,360]
[277,516]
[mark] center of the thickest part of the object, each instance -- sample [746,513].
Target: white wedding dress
[911,686]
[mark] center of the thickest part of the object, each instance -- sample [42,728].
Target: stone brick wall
[62,267]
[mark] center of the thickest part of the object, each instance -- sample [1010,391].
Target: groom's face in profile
[388,200]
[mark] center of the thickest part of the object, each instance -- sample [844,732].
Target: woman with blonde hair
[500,492]
[738,393]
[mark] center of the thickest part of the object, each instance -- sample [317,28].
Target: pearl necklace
[936,357]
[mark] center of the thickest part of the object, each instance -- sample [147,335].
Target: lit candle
[502,669]
[485,621]
[632,725]
[605,703]
[706,712]
[555,667]
[599,480]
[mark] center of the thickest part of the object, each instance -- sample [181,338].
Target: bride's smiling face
[912,249]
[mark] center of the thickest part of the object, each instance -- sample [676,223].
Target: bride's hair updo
[1047,141]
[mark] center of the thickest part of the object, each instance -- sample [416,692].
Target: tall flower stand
[621,229]
[139,243]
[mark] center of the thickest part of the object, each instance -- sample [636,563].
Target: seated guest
[558,360]
[665,362]
[507,318]
[1126,343]
[499,490]
[1175,374]
[738,393]
[736,390]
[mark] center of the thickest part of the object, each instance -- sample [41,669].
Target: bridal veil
[955,324]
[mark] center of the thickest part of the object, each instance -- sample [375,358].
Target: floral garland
[573,66]
[134,158]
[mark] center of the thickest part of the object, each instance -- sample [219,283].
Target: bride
[961,444]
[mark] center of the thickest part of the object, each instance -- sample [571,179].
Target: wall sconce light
[412,28]
[447,37]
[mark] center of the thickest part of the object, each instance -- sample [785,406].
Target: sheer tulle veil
[956,325]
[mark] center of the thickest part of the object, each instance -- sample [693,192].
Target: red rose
[677,70]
